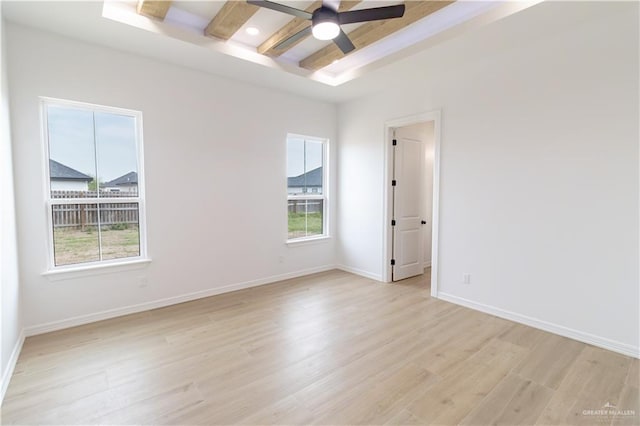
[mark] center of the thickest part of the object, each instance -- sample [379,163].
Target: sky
[71,141]
[296,149]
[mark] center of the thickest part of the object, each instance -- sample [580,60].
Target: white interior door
[408,204]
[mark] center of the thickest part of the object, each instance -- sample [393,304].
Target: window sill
[307,241]
[91,270]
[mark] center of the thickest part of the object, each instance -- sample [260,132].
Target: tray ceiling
[252,33]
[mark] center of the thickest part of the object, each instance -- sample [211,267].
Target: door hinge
[395,142]
[393,262]
[393,182]
[393,222]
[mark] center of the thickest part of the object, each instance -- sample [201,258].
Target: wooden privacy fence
[94,194]
[302,206]
[84,215]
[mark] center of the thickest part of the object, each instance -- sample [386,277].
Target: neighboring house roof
[58,171]
[130,178]
[310,179]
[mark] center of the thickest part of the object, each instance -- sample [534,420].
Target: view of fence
[86,215]
[133,192]
[83,215]
[305,206]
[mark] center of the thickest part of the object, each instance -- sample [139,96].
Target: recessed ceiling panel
[380,41]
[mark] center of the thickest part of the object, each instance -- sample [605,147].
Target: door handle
[424,222]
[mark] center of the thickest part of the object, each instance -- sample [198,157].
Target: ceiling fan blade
[373,14]
[284,44]
[344,43]
[281,8]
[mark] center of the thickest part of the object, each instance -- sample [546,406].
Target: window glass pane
[295,166]
[313,167]
[314,217]
[119,231]
[75,233]
[92,154]
[116,154]
[305,218]
[72,165]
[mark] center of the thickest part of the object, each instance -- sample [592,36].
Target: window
[306,187]
[95,196]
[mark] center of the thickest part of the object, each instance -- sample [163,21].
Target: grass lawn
[304,225]
[76,246]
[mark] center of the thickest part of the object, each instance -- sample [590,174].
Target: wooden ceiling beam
[293,27]
[370,32]
[233,15]
[154,8]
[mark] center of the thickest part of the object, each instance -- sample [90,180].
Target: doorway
[411,195]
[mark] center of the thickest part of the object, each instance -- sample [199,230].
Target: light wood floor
[331,348]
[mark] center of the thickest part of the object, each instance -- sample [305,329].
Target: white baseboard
[360,272]
[11,365]
[132,309]
[427,264]
[601,342]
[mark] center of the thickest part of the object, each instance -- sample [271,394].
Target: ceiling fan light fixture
[326,21]
[325,30]
[324,24]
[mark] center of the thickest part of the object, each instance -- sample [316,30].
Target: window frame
[49,202]
[310,195]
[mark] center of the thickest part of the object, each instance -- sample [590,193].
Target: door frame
[389,127]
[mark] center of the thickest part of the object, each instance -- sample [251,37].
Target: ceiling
[182,37]
[228,21]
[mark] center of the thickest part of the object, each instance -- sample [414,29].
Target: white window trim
[105,267]
[101,266]
[316,239]
[311,196]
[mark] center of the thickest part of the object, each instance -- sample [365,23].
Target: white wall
[539,168]
[9,279]
[215,133]
[424,132]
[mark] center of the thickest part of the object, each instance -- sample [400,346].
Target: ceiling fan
[326,21]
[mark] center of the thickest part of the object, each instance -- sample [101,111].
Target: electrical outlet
[466,278]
